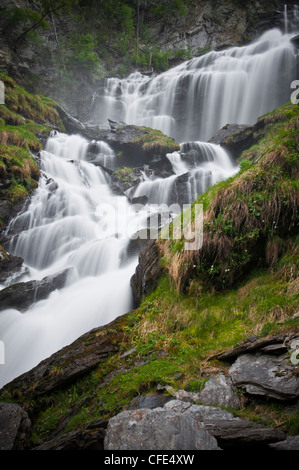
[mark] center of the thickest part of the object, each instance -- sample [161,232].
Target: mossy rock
[24,120]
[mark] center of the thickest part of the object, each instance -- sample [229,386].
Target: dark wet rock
[71,362]
[229,430]
[280,342]
[123,179]
[71,124]
[123,139]
[150,401]
[15,427]
[143,200]
[7,213]
[87,439]
[162,168]
[136,244]
[22,295]
[147,272]
[157,429]
[9,265]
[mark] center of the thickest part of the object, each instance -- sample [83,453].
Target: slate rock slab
[89,439]
[157,429]
[266,375]
[229,431]
[290,443]
[71,362]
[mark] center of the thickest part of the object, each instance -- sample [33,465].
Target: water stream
[197,98]
[66,226]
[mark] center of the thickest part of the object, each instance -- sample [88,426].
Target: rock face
[157,429]
[147,272]
[266,375]
[15,427]
[203,29]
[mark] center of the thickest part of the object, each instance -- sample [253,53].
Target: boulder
[15,427]
[157,429]
[229,430]
[22,295]
[219,391]
[266,375]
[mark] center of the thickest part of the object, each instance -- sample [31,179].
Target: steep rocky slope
[218,326]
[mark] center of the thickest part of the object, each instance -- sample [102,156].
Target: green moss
[23,118]
[153,140]
[37,108]
[125,174]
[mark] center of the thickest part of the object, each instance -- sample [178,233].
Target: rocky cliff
[53,53]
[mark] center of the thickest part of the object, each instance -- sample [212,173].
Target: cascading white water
[66,227]
[210,164]
[285,19]
[75,223]
[195,99]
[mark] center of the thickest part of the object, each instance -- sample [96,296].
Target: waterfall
[65,228]
[74,223]
[197,166]
[195,99]
[285,19]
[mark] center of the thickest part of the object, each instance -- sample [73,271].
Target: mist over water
[65,229]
